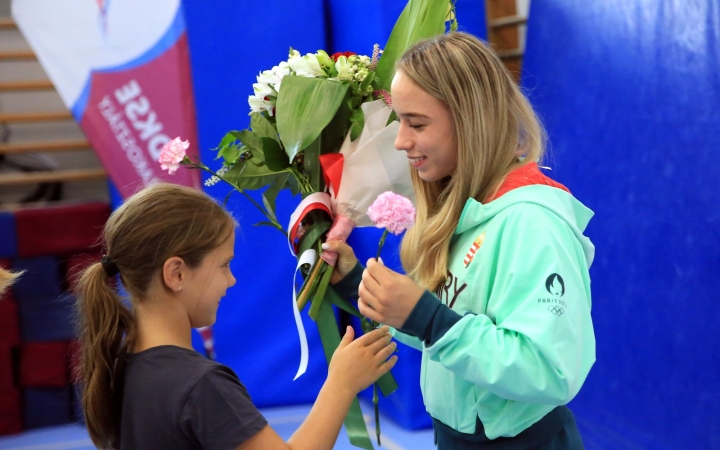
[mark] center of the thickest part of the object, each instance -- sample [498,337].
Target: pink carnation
[172,154]
[393,212]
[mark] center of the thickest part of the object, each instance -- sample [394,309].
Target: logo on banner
[103,5]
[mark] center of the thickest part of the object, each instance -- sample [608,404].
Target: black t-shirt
[174,398]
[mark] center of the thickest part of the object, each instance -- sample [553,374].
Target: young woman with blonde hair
[143,385]
[497,291]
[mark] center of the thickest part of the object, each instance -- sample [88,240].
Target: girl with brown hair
[497,291]
[143,385]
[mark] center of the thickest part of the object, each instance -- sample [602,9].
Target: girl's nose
[402,143]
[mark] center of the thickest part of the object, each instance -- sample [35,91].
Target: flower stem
[382,242]
[302,181]
[243,192]
[305,294]
[376,403]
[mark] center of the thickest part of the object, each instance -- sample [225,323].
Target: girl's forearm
[320,429]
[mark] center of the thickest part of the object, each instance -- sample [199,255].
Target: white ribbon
[308,257]
[317,197]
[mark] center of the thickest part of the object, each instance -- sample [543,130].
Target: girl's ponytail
[107,330]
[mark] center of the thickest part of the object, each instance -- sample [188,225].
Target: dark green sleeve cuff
[348,286]
[430,319]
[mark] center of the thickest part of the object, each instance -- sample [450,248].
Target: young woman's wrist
[351,279]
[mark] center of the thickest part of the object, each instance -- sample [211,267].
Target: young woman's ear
[173,273]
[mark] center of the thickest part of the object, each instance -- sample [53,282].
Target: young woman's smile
[426,130]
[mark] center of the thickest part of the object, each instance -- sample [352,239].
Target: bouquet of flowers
[319,124]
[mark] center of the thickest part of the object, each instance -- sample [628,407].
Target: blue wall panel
[630,94]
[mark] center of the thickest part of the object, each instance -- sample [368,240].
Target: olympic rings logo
[558,311]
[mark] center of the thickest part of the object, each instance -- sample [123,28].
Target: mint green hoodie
[509,336]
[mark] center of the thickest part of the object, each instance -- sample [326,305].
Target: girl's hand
[387,296]
[357,364]
[346,259]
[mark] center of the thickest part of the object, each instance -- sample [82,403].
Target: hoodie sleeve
[348,286]
[536,342]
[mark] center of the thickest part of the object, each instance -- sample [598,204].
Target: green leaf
[228,149]
[367,82]
[334,134]
[275,158]
[264,224]
[330,339]
[270,208]
[312,165]
[452,16]
[292,184]
[311,236]
[250,139]
[262,127]
[304,108]
[227,197]
[271,194]
[358,122]
[319,297]
[327,63]
[250,176]
[419,20]
[341,302]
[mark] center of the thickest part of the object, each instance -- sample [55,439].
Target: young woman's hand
[387,296]
[346,259]
[357,364]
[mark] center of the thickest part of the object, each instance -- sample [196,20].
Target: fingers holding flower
[387,296]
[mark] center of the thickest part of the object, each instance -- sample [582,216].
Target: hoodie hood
[556,200]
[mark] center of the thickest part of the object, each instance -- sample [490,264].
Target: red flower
[335,56]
